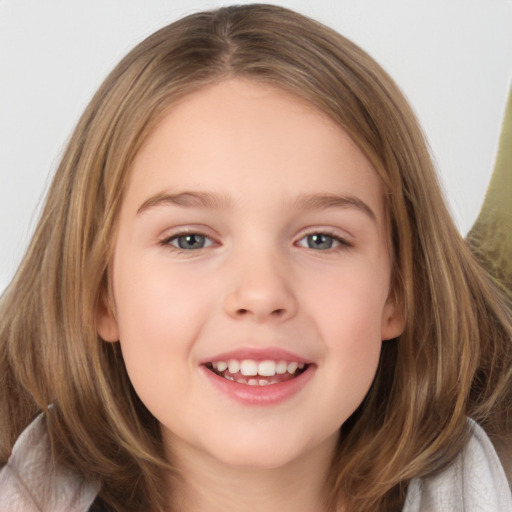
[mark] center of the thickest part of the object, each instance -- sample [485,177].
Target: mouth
[252,372]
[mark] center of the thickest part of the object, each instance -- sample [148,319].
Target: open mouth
[257,373]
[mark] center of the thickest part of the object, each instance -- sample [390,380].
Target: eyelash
[168,241]
[339,242]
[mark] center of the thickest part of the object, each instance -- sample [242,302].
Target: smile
[261,377]
[257,373]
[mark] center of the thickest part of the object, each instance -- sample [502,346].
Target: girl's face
[251,276]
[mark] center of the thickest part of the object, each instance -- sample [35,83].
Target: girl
[245,292]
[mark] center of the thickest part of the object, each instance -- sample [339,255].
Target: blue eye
[189,241]
[321,242]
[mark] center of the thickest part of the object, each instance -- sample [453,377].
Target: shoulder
[29,483]
[475,481]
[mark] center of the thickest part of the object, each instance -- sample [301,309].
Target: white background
[452,58]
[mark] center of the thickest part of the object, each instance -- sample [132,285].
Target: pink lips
[259,395]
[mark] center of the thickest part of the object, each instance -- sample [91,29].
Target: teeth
[292,367]
[281,367]
[221,366]
[248,367]
[267,368]
[233,366]
[252,368]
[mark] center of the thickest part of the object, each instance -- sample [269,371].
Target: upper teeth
[249,367]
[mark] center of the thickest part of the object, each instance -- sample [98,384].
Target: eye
[188,241]
[321,241]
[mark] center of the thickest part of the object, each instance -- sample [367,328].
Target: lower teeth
[251,382]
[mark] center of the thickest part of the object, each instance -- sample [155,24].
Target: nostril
[275,312]
[261,313]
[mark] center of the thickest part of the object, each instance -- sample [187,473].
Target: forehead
[241,135]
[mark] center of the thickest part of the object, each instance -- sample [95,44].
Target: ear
[106,323]
[393,319]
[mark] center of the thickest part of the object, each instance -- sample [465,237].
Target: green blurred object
[490,238]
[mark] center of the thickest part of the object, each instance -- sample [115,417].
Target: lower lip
[260,395]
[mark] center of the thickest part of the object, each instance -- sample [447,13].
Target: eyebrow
[326,201]
[187,199]
[210,200]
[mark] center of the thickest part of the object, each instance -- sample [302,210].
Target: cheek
[351,300]
[348,312]
[351,330]
[156,301]
[159,318]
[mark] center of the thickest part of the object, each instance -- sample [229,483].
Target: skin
[258,283]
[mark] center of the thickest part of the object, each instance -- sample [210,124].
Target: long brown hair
[453,359]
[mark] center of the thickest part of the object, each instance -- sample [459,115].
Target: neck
[208,485]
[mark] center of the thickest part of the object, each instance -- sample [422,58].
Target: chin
[257,461]
[260,452]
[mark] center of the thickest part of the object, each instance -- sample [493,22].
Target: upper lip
[259,354]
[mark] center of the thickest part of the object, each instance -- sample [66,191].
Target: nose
[260,289]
